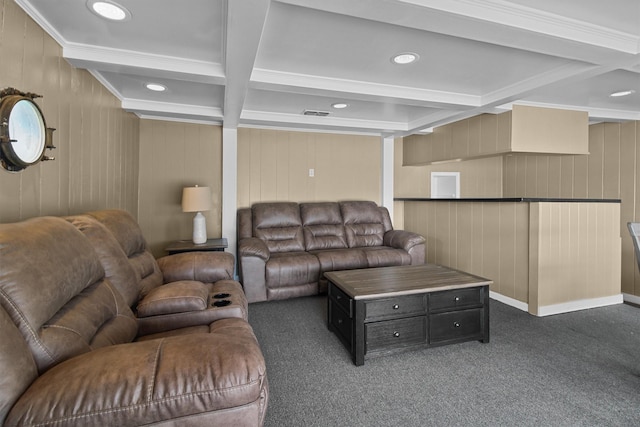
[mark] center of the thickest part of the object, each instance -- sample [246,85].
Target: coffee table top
[402,280]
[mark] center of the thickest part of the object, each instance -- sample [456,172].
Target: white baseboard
[568,306]
[509,301]
[631,298]
[583,304]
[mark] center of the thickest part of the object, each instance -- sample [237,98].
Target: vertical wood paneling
[627,195]
[595,162]
[90,127]
[173,156]
[611,161]
[566,176]
[460,139]
[345,166]
[575,253]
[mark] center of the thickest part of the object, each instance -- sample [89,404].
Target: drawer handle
[396,334]
[456,299]
[338,297]
[339,321]
[396,306]
[456,324]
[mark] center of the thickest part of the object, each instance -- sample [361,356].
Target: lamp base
[199,229]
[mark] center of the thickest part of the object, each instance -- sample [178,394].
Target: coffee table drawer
[342,324]
[455,325]
[394,307]
[340,298]
[394,333]
[456,298]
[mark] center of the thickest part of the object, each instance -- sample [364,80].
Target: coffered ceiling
[263,63]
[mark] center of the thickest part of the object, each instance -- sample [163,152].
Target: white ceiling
[261,62]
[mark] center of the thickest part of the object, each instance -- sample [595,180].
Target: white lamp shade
[196,199]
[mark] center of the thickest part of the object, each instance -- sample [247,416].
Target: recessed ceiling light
[622,93]
[405,58]
[339,105]
[109,10]
[156,87]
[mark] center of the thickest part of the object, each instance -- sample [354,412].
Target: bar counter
[545,256]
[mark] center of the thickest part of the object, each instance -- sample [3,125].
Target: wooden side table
[180,246]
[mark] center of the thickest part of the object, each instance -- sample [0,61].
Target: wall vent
[315,113]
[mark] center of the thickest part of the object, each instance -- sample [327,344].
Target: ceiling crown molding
[526,18]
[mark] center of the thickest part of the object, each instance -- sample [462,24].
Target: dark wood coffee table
[379,311]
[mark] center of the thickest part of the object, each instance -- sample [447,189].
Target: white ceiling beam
[354,89]
[134,105]
[509,14]
[119,60]
[254,117]
[245,21]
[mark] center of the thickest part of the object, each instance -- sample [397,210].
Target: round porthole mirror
[23,132]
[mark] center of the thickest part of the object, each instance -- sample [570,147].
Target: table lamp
[197,199]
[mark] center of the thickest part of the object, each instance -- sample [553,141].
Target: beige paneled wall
[96,162]
[611,170]
[484,238]
[274,165]
[173,156]
[478,178]
[574,253]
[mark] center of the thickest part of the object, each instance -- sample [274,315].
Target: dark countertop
[508,199]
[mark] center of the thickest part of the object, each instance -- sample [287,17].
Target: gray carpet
[576,369]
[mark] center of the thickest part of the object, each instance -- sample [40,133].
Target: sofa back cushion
[16,364]
[322,226]
[363,223]
[114,261]
[128,233]
[52,286]
[278,225]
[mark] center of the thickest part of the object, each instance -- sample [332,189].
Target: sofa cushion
[153,381]
[128,233]
[363,223]
[175,297]
[340,259]
[279,225]
[322,226]
[114,261]
[52,286]
[16,364]
[291,269]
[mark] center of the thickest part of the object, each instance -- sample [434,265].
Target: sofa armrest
[402,239]
[253,255]
[411,242]
[207,267]
[253,246]
[152,381]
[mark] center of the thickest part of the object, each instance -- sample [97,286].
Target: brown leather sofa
[284,248]
[72,351]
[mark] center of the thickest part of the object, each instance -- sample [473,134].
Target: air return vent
[315,113]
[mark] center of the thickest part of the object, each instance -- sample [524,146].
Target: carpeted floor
[575,369]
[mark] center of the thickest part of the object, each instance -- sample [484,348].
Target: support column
[229,186]
[387,173]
